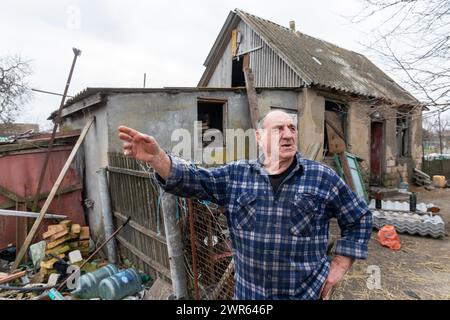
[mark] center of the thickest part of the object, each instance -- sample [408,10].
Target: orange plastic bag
[388,237]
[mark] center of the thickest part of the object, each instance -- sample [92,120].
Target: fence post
[174,246]
[107,213]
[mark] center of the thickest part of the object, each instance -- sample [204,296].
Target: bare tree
[14,90]
[414,39]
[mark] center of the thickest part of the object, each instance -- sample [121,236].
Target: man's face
[278,138]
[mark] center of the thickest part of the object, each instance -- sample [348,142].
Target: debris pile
[420,178]
[66,241]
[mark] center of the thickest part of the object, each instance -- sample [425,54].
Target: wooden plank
[155,265]
[59,235]
[234,43]
[55,243]
[346,170]
[251,92]
[85,233]
[52,230]
[47,203]
[335,143]
[13,276]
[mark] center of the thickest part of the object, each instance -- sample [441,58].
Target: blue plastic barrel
[88,284]
[120,285]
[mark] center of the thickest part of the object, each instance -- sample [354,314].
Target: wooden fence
[437,167]
[134,193]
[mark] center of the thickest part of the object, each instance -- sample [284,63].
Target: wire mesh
[208,252]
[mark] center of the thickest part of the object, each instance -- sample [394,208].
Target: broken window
[402,135]
[335,137]
[211,114]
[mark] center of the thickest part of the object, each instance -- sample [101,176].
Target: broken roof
[317,62]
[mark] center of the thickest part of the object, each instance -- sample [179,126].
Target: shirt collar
[258,164]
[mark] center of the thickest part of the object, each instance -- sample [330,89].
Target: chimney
[292,25]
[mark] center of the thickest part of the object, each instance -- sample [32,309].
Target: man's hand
[338,269]
[145,148]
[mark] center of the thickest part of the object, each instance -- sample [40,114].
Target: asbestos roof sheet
[324,64]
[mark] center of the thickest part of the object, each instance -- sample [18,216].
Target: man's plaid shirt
[279,240]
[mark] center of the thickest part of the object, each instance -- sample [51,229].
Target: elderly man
[278,210]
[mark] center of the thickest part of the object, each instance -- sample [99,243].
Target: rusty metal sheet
[19,173]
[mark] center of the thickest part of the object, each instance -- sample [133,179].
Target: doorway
[376,153]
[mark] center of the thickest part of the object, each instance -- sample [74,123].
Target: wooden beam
[145,231]
[251,92]
[346,169]
[52,194]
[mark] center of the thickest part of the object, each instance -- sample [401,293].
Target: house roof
[320,63]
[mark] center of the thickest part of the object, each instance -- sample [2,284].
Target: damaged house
[338,97]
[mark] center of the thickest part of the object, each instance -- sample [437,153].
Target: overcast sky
[120,40]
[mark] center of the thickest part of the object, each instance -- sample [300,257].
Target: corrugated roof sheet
[324,64]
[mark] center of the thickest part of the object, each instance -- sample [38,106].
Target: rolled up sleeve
[187,180]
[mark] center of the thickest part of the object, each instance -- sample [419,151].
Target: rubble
[420,178]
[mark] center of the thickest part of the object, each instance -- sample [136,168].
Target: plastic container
[412,202]
[439,181]
[120,285]
[88,284]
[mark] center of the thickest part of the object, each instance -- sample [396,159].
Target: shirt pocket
[303,211]
[245,217]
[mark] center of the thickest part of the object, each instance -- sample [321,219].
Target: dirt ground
[419,270]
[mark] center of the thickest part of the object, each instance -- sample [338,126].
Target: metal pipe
[76,53]
[174,246]
[14,213]
[105,202]
[194,249]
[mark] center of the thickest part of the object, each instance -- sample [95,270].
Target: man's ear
[258,136]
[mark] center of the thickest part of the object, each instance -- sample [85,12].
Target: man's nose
[287,133]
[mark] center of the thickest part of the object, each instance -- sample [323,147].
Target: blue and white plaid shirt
[279,240]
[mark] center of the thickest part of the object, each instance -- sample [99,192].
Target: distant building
[13,129]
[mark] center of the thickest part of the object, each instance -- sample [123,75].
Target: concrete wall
[311,117]
[95,148]
[159,113]
[358,135]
